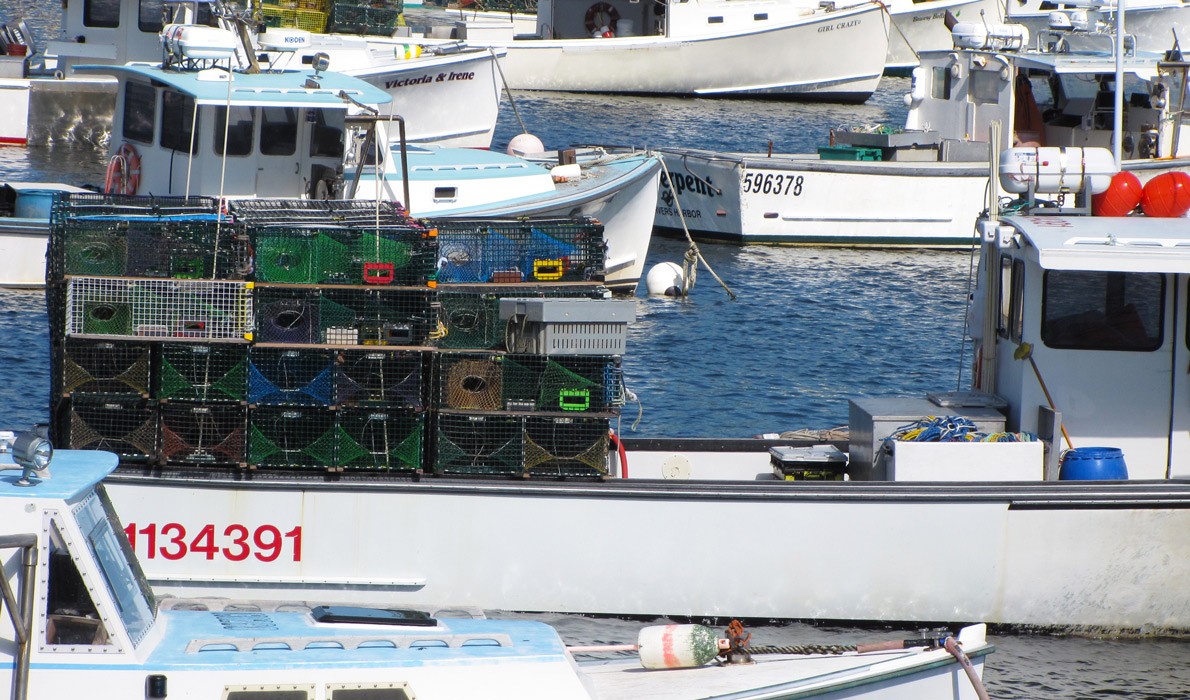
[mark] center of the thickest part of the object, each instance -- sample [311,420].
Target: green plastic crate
[848,153]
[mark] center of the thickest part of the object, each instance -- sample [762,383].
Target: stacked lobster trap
[330,336]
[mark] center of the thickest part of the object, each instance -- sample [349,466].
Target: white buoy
[676,646]
[525,145]
[665,279]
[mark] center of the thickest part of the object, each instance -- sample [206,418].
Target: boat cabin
[79,613]
[1044,93]
[1083,324]
[195,126]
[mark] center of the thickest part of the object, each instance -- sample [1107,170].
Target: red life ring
[123,171]
[601,15]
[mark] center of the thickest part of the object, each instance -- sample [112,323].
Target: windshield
[121,572]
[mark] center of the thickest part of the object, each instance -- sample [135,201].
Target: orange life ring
[123,171]
[601,15]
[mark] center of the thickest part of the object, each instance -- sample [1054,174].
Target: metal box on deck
[873,419]
[815,463]
[567,326]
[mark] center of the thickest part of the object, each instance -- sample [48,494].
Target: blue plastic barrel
[1093,464]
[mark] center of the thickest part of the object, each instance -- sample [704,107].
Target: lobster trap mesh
[566,446]
[470,316]
[203,434]
[489,445]
[389,256]
[370,438]
[320,212]
[562,383]
[344,315]
[533,250]
[105,367]
[201,372]
[212,310]
[127,427]
[291,437]
[391,378]
[291,377]
[470,382]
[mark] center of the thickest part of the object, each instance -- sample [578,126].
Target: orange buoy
[1120,197]
[1167,195]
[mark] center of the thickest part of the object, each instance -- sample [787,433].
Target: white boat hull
[1153,23]
[800,199]
[920,26]
[1111,557]
[801,61]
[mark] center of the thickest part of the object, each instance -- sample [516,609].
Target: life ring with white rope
[601,15]
[123,171]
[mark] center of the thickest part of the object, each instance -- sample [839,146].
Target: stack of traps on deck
[305,335]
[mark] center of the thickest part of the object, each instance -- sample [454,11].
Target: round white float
[665,279]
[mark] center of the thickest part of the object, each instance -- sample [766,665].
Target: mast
[1118,117]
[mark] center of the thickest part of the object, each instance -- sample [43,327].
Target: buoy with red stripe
[677,646]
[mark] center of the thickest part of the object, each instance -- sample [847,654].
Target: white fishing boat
[916,26]
[289,136]
[708,48]
[258,480]
[1042,93]
[48,101]
[79,614]
[1154,25]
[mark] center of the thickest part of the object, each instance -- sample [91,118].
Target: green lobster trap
[291,437]
[515,251]
[570,384]
[379,439]
[401,256]
[352,18]
[100,367]
[479,445]
[291,376]
[203,434]
[381,377]
[208,373]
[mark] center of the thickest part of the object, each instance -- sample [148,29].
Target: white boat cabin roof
[1123,244]
[1141,64]
[287,88]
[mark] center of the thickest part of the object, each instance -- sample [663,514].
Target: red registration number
[235,542]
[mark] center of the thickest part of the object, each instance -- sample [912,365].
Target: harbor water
[808,329]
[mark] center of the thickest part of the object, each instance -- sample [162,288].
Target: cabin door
[1179,442]
[300,152]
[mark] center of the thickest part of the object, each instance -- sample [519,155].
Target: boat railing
[21,613]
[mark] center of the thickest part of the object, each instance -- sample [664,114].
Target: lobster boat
[79,614]
[1052,89]
[408,450]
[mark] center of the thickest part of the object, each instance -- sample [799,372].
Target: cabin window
[985,86]
[71,617]
[1012,299]
[325,140]
[140,108]
[101,13]
[940,84]
[178,121]
[238,131]
[120,571]
[396,691]
[278,131]
[1102,310]
[152,16]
